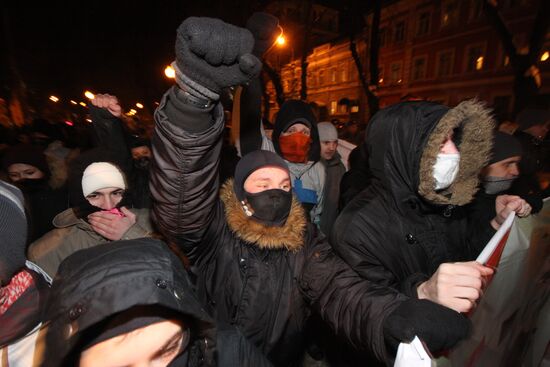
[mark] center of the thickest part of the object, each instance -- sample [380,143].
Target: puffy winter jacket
[398,230]
[266,280]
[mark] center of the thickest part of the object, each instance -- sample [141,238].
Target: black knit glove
[438,326]
[212,55]
[265,29]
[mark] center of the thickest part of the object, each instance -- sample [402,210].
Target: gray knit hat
[327,131]
[13,232]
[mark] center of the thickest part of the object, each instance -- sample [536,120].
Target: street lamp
[89,94]
[170,72]
[139,105]
[54,99]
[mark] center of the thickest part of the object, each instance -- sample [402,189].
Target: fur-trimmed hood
[290,236]
[403,142]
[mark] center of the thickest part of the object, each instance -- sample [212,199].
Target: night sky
[119,47]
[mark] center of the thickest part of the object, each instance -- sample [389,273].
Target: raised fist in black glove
[265,29]
[212,54]
[438,326]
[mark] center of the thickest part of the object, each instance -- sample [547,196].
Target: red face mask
[295,147]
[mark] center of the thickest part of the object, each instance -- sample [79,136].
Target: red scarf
[295,147]
[19,283]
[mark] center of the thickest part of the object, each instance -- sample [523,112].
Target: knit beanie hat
[504,146]
[250,163]
[100,175]
[26,154]
[532,116]
[327,131]
[13,232]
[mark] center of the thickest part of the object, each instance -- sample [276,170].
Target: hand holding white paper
[413,354]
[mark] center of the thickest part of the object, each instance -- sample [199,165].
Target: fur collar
[476,126]
[290,236]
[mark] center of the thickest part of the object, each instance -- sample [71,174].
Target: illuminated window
[475,58]
[333,107]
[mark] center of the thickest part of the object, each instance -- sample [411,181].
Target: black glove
[438,326]
[265,29]
[212,54]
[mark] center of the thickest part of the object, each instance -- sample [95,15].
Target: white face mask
[445,170]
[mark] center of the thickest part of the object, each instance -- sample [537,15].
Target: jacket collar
[289,237]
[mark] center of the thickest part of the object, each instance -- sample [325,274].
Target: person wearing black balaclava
[496,180]
[258,263]
[141,157]
[101,211]
[27,168]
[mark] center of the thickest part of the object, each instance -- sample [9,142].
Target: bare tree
[527,80]
[356,23]
[305,50]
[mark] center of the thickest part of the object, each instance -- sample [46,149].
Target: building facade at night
[443,50]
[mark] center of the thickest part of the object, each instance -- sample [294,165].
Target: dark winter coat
[265,280]
[99,282]
[398,230]
[335,170]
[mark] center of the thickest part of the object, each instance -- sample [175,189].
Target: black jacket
[265,280]
[97,283]
[398,230]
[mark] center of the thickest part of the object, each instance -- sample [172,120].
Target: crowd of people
[187,248]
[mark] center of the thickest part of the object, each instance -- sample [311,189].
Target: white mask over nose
[445,170]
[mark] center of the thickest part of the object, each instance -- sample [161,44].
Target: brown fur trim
[477,126]
[290,236]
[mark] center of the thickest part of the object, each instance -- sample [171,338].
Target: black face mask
[142,163]
[270,207]
[31,186]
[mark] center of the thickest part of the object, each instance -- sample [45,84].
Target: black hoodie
[294,111]
[94,284]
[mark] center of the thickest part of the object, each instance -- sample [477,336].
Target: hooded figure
[258,263]
[28,169]
[403,226]
[91,304]
[101,212]
[23,285]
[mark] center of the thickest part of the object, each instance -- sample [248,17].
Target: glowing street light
[170,72]
[545,56]
[54,99]
[139,105]
[73,102]
[89,95]
[82,104]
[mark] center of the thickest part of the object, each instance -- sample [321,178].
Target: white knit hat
[327,131]
[100,175]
